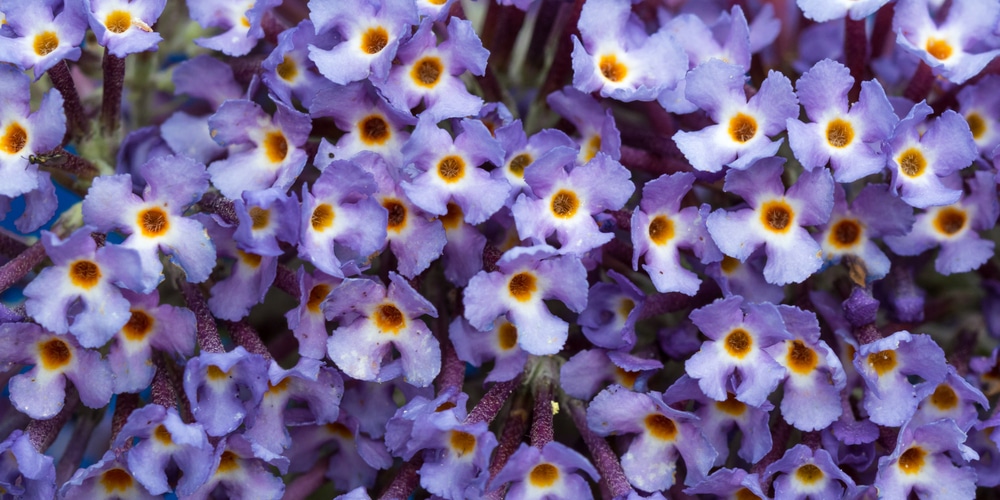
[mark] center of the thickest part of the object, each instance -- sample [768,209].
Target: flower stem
[604,458]
[19,266]
[208,332]
[245,335]
[114,81]
[492,402]
[42,433]
[76,120]
[405,482]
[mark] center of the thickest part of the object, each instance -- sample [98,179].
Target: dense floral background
[487,249]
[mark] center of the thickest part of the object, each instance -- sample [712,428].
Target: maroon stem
[921,83]
[287,281]
[125,404]
[452,369]
[856,53]
[76,120]
[245,335]
[510,439]
[492,402]
[542,429]
[661,303]
[604,458]
[882,29]
[19,266]
[562,65]
[10,246]
[164,393]
[208,332]
[73,164]
[114,82]
[42,433]
[405,482]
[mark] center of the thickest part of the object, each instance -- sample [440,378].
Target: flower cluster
[488,249]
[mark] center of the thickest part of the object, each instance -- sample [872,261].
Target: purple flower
[808,473]
[156,221]
[416,239]
[83,279]
[374,321]
[40,392]
[430,72]
[775,219]
[812,391]
[450,170]
[250,276]
[924,463]
[735,482]
[266,218]
[736,352]
[591,370]
[27,473]
[564,202]
[743,128]
[288,72]
[107,478]
[25,133]
[498,344]
[371,32]
[660,228]
[594,124]
[264,152]
[874,213]
[240,22]
[954,227]
[618,58]
[960,46]
[225,388]
[124,26]
[547,473]
[919,158]
[527,276]
[663,433]
[851,141]
[980,105]
[239,473]
[40,39]
[369,122]
[612,310]
[307,321]
[886,365]
[150,325]
[954,398]
[340,218]
[719,418]
[307,393]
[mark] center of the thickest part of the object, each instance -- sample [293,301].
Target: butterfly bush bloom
[24,133]
[954,227]
[619,59]
[919,158]
[225,387]
[155,221]
[125,27]
[776,219]
[240,22]
[549,471]
[959,46]
[429,72]
[85,276]
[40,392]
[924,462]
[564,202]
[526,276]
[743,127]
[805,473]
[663,434]
[375,320]
[886,364]
[264,152]
[660,228]
[851,141]
[371,32]
[739,336]
[42,38]
[27,472]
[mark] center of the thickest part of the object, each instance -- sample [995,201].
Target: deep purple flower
[224,388]
[164,439]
